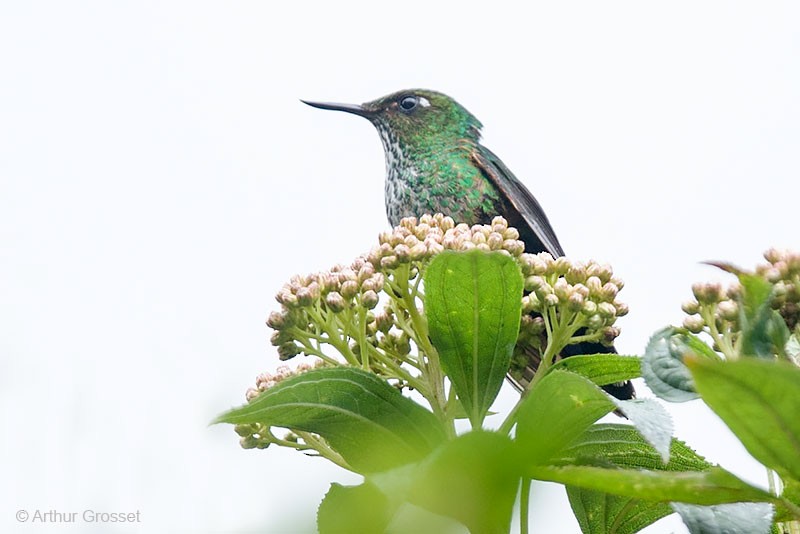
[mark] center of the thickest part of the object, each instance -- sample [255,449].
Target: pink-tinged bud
[385,237]
[335,302]
[609,333]
[774,274]
[606,310]
[422,230]
[773,255]
[562,265]
[728,310]
[495,240]
[693,323]
[575,302]
[690,307]
[484,247]
[279,337]
[622,308]
[595,286]
[402,252]
[551,300]
[369,299]
[389,262]
[609,291]
[467,245]
[478,238]
[434,248]
[286,298]
[276,320]
[384,321]
[619,282]
[581,289]
[304,297]
[418,251]
[562,289]
[349,289]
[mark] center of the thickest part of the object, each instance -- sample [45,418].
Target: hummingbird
[435,162]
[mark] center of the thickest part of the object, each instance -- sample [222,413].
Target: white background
[159,181]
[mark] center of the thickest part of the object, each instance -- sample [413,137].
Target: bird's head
[415,119]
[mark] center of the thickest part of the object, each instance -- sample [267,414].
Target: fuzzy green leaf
[367,421]
[621,446]
[735,518]
[663,368]
[473,306]
[603,369]
[760,401]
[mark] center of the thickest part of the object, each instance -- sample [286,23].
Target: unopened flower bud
[304,296]
[609,291]
[576,274]
[349,289]
[248,442]
[389,262]
[606,310]
[690,307]
[550,300]
[562,265]
[511,233]
[276,320]
[369,299]
[728,310]
[562,289]
[693,323]
[622,308]
[595,286]
[575,302]
[589,307]
[595,321]
[288,351]
[335,302]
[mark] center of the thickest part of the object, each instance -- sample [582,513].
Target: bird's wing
[526,215]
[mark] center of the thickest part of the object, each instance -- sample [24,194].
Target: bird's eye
[408,103]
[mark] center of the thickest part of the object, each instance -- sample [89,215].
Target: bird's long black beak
[355,109]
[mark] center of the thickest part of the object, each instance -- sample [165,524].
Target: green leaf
[621,446]
[713,486]
[557,410]
[736,518]
[603,369]
[473,305]
[472,479]
[347,509]
[764,333]
[760,401]
[601,513]
[367,421]
[663,368]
